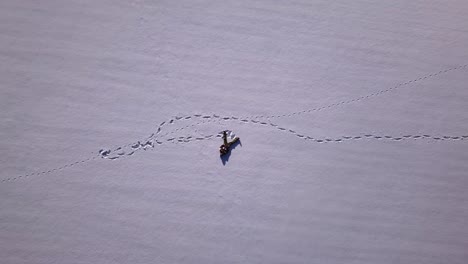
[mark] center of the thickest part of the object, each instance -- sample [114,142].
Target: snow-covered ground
[352,115]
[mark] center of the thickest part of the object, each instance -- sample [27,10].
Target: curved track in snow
[157,138]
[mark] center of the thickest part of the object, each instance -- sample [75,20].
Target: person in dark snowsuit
[224,149]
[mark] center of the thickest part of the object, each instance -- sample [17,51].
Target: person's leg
[225,139]
[232,142]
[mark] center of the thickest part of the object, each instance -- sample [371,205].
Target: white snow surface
[352,116]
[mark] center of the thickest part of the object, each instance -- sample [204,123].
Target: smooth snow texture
[352,119]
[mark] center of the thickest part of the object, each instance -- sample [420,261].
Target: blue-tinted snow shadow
[225,158]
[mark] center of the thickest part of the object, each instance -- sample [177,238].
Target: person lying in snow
[224,149]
